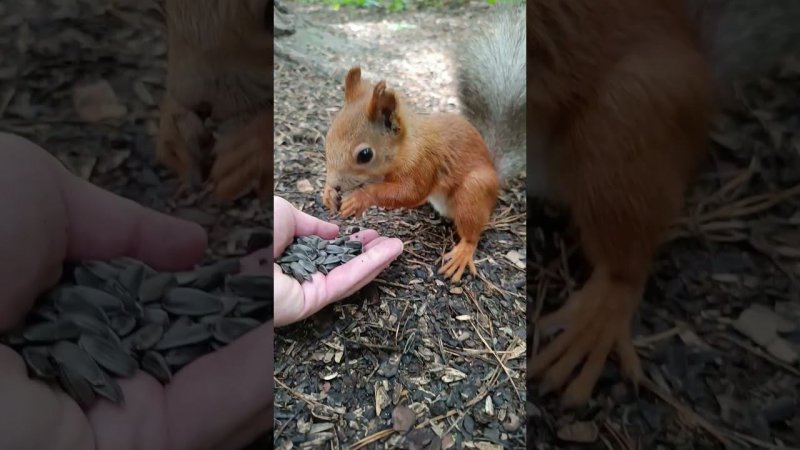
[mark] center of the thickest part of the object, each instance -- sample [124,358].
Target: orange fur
[415,157]
[624,98]
[219,65]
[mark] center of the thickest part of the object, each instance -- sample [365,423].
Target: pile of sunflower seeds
[109,319]
[311,254]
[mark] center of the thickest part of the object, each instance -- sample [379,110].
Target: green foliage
[398,5]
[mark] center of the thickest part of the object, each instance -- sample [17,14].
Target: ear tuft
[383,106]
[352,83]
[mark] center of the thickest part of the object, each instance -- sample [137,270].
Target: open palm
[222,400]
[293,301]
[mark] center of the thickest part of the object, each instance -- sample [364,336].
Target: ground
[411,338]
[53,49]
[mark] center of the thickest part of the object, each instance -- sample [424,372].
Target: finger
[223,390]
[290,222]
[306,224]
[103,225]
[257,263]
[375,242]
[290,302]
[35,415]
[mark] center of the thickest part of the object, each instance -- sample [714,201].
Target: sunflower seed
[288,259]
[354,244]
[14,338]
[154,314]
[228,330]
[87,323]
[181,356]
[76,386]
[107,302]
[52,331]
[182,335]
[335,249]
[66,353]
[108,354]
[212,275]
[122,324]
[37,358]
[45,311]
[307,265]
[74,304]
[185,278]
[250,308]
[111,390]
[99,269]
[131,278]
[191,302]
[252,286]
[154,288]
[332,259]
[154,364]
[145,337]
[85,277]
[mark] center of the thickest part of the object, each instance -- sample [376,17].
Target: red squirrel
[219,66]
[379,152]
[623,97]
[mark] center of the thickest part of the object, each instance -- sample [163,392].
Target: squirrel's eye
[364,156]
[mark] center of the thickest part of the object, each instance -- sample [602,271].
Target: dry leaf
[403,418]
[516,258]
[580,432]
[452,375]
[782,350]
[759,324]
[96,102]
[304,186]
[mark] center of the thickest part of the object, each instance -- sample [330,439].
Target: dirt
[410,340]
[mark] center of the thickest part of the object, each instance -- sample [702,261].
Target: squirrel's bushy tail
[744,39]
[491,80]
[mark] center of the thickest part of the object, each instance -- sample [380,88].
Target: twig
[685,412]
[502,364]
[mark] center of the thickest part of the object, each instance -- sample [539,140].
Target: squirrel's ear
[383,106]
[352,84]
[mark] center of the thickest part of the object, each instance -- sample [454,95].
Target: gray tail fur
[745,39]
[492,79]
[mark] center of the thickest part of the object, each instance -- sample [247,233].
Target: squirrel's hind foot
[596,321]
[458,259]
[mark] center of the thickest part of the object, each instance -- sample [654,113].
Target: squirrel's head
[363,139]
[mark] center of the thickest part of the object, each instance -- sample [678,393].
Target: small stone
[579,432]
[403,418]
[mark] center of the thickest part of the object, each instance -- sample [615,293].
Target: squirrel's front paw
[330,198]
[243,163]
[355,203]
[180,142]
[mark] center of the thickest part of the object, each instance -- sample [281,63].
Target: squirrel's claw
[330,198]
[181,134]
[597,321]
[243,163]
[355,203]
[457,260]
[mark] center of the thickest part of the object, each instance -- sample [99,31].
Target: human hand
[295,302]
[222,400]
